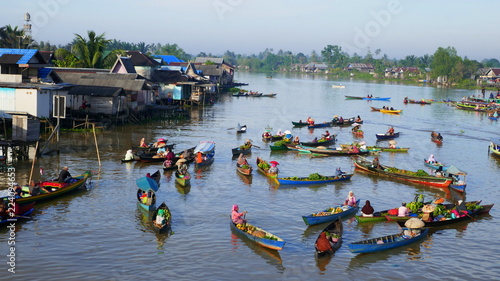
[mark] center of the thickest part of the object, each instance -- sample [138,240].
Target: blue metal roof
[27,54]
[44,72]
[169,58]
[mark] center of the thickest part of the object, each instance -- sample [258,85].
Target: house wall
[11,78]
[34,102]
[7,100]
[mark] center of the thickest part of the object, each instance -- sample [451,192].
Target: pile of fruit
[250,229]
[244,147]
[317,176]
[264,165]
[281,143]
[414,206]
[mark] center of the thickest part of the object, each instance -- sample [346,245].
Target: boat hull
[312,220]
[389,242]
[306,180]
[268,243]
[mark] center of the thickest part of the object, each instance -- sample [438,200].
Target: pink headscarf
[235,207]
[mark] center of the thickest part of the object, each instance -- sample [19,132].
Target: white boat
[339,86]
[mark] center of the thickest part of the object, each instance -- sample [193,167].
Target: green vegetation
[419,173]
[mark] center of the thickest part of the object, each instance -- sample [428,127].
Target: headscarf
[431,158]
[367,208]
[235,207]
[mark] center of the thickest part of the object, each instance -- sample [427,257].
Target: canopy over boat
[204,147]
[455,171]
[146,184]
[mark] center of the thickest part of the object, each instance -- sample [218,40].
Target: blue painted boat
[376,98]
[306,180]
[435,165]
[205,152]
[387,136]
[18,217]
[269,240]
[385,243]
[329,214]
[320,125]
[146,195]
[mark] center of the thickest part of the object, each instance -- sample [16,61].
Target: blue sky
[397,27]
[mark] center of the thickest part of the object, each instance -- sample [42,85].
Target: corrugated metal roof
[168,58]
[27,54]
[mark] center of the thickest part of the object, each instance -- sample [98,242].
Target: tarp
[455,171]
[204,147]
[146,184]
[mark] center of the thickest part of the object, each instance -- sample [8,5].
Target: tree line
[96,51]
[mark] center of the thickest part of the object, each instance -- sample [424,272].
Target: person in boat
[143,143]
[148,175]
[390,131]
[326,135]
[274,169]
[350,200]
[315,139]
[323,244]
[376,163]
[310,121]
[237,218]
[405,100]
[433,134]
[280,133]
[341,120]
[182,166]
[354,149]
[162,217]
[439,137]
[129,155]
[18,190]
[64,175]
[358,119]
[36,189]
[339,172]
[431,159]
[367,210]
[403,211]
[296,140]
[392,108]
[161,152]
[248,143]
[439,171]
[266,134]
[242,160]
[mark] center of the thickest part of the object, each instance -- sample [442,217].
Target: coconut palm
[10,37]
[88,52]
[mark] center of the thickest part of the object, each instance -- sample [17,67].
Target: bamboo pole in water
[34,160]
[96,146]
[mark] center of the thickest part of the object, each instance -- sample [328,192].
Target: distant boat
[338,86]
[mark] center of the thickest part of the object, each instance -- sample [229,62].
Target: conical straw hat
[428,208]
[414,223]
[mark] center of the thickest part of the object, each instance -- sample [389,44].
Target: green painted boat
[377,216]
[276,148]
[58,191]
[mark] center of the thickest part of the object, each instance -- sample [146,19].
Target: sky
[397,27]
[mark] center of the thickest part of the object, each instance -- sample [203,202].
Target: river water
[100,234]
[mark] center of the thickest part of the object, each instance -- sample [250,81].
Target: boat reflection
[146,225]
[184,190]
[247,180]
[272,257]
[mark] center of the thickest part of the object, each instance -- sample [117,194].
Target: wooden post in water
[96,146]
[33,163]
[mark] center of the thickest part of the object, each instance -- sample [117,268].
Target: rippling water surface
[100,234]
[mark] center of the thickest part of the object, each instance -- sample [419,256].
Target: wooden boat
[483,210]
[8,219]
[353,98]
[56,189]
[241,149]
[338,86]
[387,136]
[244,169]
[150,149]
[333,229]
[300,124]
[147,186]
[375,98]
[494,146]
[331,151]
[278,147]
[385,242]
[345,122]
[156,176]
[320,142]
[416,101]
[150,158]
[267,240]
[396,149]
[319,125]
[272,95]
[402,175]
[307,180]
[391,111]
[18,209]
[261,166]
[241,129]
[331,214]
[182,180]
[435,165]
[205,152]
[375,108]
[165,225]
[436,140]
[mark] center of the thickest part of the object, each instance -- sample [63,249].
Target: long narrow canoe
[494,146]
[386,171]
[377,216]
[262,237]
[387,136]
[397,149]
[385,242]
[334,228]
[320,125]
[376,98]
[17,217]
[306,180]
[244,170]
[299,124]
[398,111]
[483,210]
[435,165]
[238,150]
[330,214]
[320,142]
[331,151]
[61,189]
[165,225]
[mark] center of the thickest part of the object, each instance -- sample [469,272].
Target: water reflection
[184,190]
[272,257]
[146,225]
[247,180]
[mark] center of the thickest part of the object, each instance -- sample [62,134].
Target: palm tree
[88,53]
[11,37]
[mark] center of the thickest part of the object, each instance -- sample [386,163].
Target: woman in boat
[358,119]
[390,131]
[403,211]
[323,244]
[242,160]
[182,166]
[376,163]
[129,155]
[143,143]
[439,137]
[236,217]
[431,159]
[310,121]
[274,168]
[351,200]
[367,210]
[296,140]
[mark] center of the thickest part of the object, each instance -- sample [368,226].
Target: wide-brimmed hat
[356,124]
[393,142]
[428,208]
[182,160]
[274,162]
[414,223]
